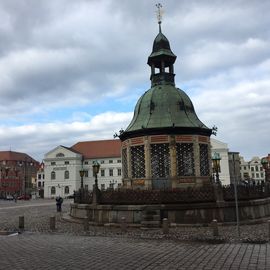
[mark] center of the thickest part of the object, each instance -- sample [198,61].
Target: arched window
[66,190]
[52,190]
[66,174]
[53,175]
[60,155]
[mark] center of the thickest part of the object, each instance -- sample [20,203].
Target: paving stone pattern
[69,247]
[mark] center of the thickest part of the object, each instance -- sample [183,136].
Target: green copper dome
[164,109]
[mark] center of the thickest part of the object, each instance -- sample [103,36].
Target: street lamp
[216,165]
[96,167]
[82,172]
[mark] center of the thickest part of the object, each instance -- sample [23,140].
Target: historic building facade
[17,173]
[62,167]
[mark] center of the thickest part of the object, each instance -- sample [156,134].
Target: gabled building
[17,171]
[62,167]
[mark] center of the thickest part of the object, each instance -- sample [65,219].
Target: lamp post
[216,165]
[265,164]
[82,172]
[96,191]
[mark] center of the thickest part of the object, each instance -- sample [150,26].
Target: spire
[161,58]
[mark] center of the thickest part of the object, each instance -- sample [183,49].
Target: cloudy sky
[73,70]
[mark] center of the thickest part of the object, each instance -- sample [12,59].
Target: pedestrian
[15,197]
[59,201]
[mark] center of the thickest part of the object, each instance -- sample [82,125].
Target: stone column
[173,168]
[147,157]
[196,148]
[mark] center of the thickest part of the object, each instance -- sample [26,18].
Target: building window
[119,161]
[53,163]
[66,162]
[110,161]
[160,160]
[137,161]
[102,161]
[102,172]
[43,183]
[102,186]
[261,168]
[257,175]
[245,167]
[256,168]
[66,190]
[60,155]
[39,184]
[52,175]
[52,190]
[252,175]
[119,172]
[252,169]
[43,176]
[261,175]
[39,176]
[86,173]
[185,159]
[110,172]
[86,162]
[204,160]
[66,174]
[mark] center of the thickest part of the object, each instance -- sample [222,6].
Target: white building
[222,149]
[62,167]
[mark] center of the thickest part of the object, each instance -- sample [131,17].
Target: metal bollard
[86,224]
[52,223]
[165,226]
[123,224]
[214,225]
[21,222]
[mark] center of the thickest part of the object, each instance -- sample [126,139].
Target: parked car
[24,197]
[9,198]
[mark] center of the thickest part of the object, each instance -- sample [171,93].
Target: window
[204,160]
[261,168]
[39,176]
[253,175]
[86,173]
[257,175]
[102,186]
[60,155]
[252,169]
[102,172]
[137,161]
[185,159]
[52,190]
[86,162]
[119,161]
[119,172]
[110,161]
[66,190]
[111,172]
[66,162]
[43,183]
[53,163]
[43,176]
[66,174]
[245,167]
[261,175]
[256,168]
[160,162]
[52,175]
[102,161]
[39,184]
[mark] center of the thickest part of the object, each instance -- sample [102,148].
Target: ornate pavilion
[165,145]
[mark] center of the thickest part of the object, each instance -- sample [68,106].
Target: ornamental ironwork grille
[137,161]
[124,163]
[160,160]
[185,159]
[204,160]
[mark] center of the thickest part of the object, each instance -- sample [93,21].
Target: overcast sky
[73,70]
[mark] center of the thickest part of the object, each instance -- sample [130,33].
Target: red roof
[99,149]
[15,156]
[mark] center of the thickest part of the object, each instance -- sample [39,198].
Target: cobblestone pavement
[69,247]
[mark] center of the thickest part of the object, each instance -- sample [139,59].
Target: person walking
[59,201]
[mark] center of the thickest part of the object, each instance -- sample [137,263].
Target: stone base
[195,213]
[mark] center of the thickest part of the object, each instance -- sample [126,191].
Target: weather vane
[159,14]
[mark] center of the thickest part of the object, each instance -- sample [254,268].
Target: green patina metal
[164,108]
